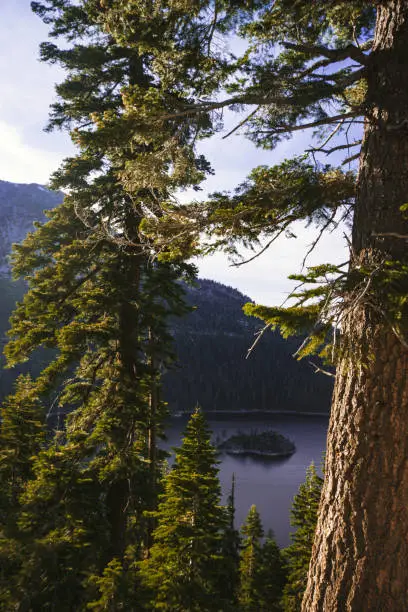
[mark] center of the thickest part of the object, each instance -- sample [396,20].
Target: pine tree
[22,434]
[252,533]
[262,575]
[230,549]
[325,66]
[97,298]
[182,571]
[272,575]
[298,554]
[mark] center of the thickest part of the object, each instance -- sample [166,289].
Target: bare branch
[241,123]
[295,128]
[392,235]
[259,253]
[317,369]
[350,159]
[317,239]
[336,55]
[336,148]
[258,337]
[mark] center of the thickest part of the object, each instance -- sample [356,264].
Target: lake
[270,484]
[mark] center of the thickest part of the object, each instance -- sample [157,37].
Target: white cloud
[22,163]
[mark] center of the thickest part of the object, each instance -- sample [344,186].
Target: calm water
[268,483]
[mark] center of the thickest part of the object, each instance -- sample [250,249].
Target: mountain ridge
[21,204]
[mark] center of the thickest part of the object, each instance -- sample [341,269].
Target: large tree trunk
[360,554]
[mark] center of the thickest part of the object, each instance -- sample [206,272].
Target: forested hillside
[211,342]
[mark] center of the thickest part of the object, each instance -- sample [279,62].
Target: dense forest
[212,345]
[91,515]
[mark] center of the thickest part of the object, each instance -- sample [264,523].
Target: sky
[30,155]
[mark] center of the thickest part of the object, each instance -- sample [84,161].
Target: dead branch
[318,369]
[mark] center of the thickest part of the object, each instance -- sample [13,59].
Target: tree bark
[360,554]
[120,492]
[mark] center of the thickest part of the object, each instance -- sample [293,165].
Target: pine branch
[241,123]
[336,148]
[295,128]
[350,159]
[265,248]
[336,55]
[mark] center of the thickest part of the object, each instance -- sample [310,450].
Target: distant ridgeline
[211,342]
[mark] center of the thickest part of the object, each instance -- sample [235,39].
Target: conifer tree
[298,554]
[22,433]
[328,67]
[252,534]
[262,575]
[97,298]
[230,551]
[272,575]
[182,571]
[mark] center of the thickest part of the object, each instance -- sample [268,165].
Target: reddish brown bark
[360,555]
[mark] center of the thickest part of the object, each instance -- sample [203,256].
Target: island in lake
[266,444]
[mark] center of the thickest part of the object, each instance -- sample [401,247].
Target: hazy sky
[29,155]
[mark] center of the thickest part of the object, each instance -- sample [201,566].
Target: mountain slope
[211,343]
[20,206]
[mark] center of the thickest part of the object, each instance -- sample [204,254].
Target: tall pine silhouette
[96,297]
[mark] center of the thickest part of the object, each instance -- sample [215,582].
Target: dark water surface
[269,483]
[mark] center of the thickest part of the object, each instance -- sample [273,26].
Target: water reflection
[263,460]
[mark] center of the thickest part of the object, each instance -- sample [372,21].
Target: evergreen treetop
[182,571]
[297,555]
[262,575]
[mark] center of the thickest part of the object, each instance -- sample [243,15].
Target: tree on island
[297,556]
[262,575]
[331,67]
[185,561]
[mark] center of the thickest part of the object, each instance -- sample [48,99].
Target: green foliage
[64,529]
[183,569]
[303,66]
[99,301]
[297,555]
[228,577]
[252,532]
[264,206]
[22,435]
[262,575]
[116,589]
